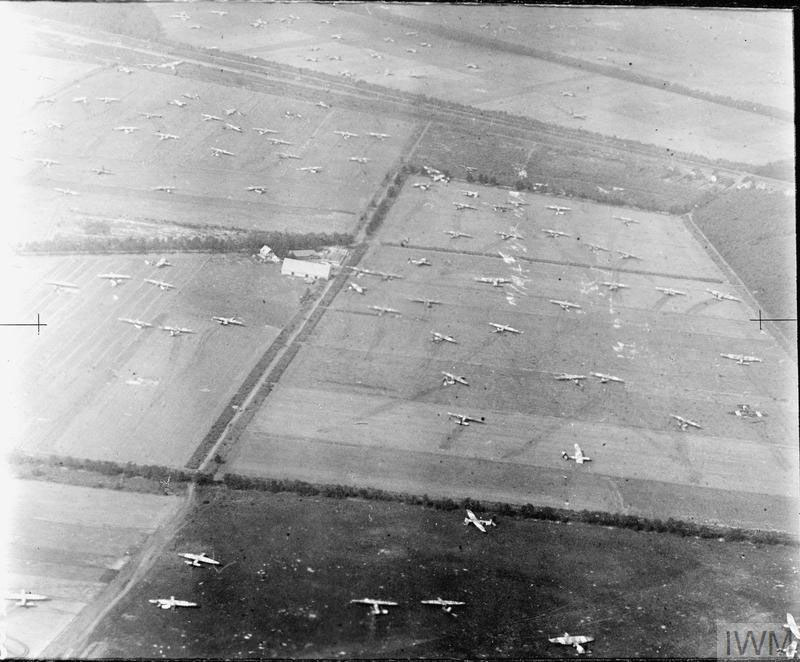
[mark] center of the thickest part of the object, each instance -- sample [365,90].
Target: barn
[306,269]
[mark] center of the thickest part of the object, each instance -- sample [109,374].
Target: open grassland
[376,48]
[661,243]
[633,112]
[676,45]
[374,384]
[756,234]
[94,387]
[172,147]
[290,566]
[37,78]
[68,543]
[118,18]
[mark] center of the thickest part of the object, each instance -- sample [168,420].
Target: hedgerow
[245,241]
[111,468]
[527,511]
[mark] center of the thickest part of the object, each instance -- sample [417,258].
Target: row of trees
[219,425]
[266,359]
[527,511]
[110,468]
[245,241]
[386,202]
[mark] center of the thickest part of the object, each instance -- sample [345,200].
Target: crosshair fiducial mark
[760,319]
[38,324]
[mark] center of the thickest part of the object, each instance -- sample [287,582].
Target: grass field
[634,112]
[669,43]
[92,386]
[363,402]
[663,244]
[68,543]
[756,233]
[377,50]
[208,189]
[291,565]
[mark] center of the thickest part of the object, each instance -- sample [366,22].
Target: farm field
[617,108]
[380,411]
[172,147]
[68,543]
[661,244]
[292,564]
[756,43]
[365,46]
[50,75]
[476,338]
[91,386]
[749,247]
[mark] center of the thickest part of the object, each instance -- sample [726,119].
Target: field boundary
[210,239]
[285,77]
[643,272]
[219,427]
[74,637]
[784,341]
[239,482]
[226,441]
[526,511]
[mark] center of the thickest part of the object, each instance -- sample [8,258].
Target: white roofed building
[306,269]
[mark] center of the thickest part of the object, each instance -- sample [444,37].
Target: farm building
[306,269]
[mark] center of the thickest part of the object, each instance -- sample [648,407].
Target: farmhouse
[305,269]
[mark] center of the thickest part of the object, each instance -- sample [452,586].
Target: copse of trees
[651,200]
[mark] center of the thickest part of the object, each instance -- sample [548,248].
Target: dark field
[291,565]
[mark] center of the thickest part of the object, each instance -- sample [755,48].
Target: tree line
[245,241]
[526,511]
